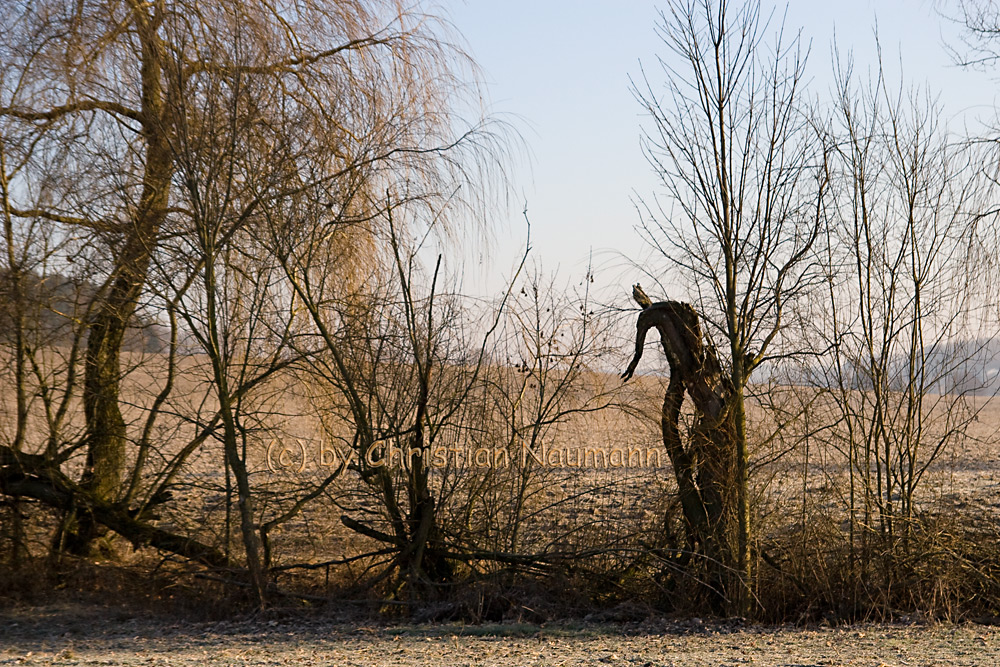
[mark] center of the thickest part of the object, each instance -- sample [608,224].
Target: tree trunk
[705,467]
[105,427]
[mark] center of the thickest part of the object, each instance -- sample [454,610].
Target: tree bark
[704,466]
[105,426]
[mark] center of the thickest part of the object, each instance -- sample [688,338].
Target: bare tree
[905,321]
[744,173]
[548,371]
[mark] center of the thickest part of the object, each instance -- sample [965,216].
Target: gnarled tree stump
[704,457]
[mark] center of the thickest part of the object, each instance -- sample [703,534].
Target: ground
[79,635]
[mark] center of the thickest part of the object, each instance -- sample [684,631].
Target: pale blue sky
[562,69]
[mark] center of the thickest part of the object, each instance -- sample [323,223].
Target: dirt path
[79,637]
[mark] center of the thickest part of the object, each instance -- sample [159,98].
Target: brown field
[571,506]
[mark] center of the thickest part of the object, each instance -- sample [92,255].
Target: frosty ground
[85,635]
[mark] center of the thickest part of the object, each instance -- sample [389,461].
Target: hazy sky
[562,69]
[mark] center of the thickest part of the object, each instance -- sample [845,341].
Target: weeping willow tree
[156,141]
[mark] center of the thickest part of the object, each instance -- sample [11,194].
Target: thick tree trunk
[704,466]
[105,427]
